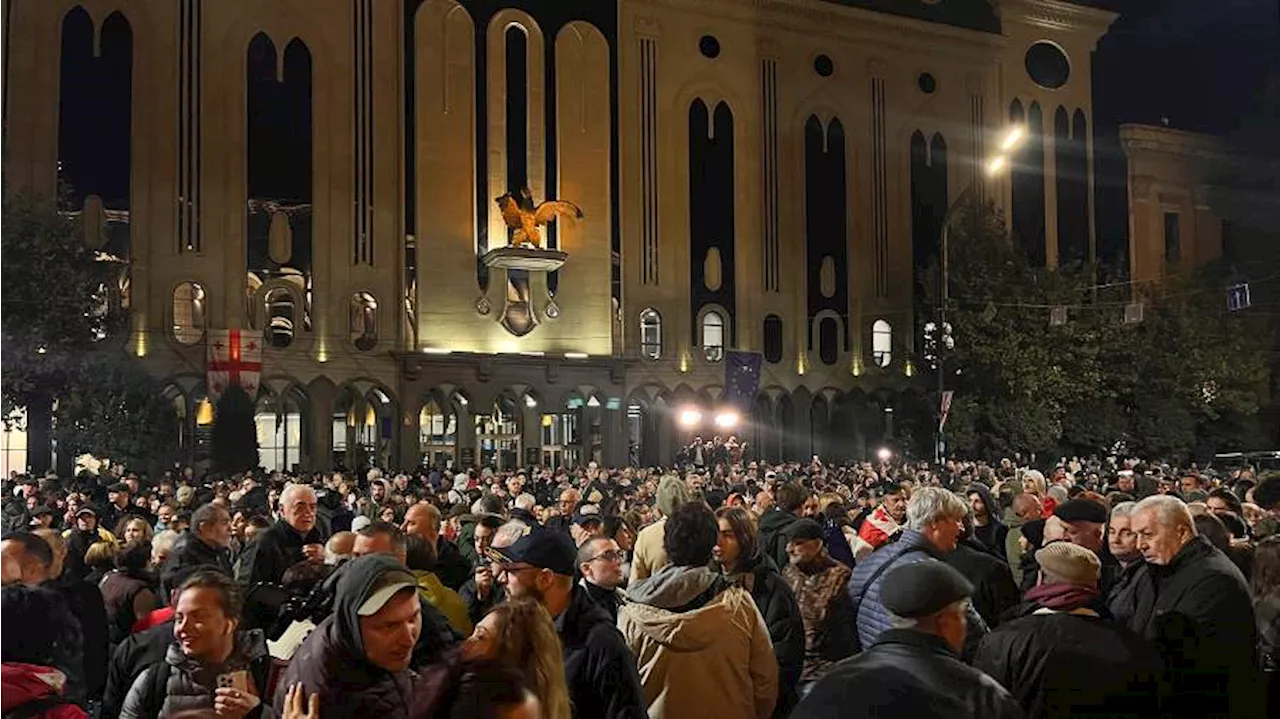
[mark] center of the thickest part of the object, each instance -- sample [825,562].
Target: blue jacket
[872,617]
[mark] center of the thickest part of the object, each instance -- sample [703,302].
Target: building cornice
[1057,16]
[1137,138]
[858,25]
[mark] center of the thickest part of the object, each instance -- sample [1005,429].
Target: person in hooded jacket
[988,530]
[39,640]
[358,658]
[701,644]
[738,556]
[789,502]
[209,646]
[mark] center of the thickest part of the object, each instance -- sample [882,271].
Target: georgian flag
[235,358]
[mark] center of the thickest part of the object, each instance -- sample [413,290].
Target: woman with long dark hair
[739,556]
[41,648]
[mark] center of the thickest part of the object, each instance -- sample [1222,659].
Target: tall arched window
[188,313]
[882,343]
[713,336]
[280,323]
[773,339]
[364,321]
[828,338]
[650,334]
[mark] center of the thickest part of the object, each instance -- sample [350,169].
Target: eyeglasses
[503,571]
[612,555]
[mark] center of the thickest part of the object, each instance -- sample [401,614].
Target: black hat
[28,479]
[541,547]
[582,517]
[87,509]
[1081,510]
[119,487]
[42,510]
[801,530]
[922,588]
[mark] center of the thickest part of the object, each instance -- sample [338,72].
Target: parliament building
[755,175]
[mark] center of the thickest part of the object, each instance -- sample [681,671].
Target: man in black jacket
[1201,616]
[289,541]
[206,543]
[994,591]
[987,527]
[598,668]
[913,671]
[450,566]
[1061,659]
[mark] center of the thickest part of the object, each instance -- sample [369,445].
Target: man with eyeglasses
[598,667]
[600,562]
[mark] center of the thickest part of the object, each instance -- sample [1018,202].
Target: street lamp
[994,165]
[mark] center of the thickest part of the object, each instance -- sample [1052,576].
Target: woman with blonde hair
[520,634]
[132,528]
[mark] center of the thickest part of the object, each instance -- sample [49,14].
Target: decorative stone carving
[280,238]
[527,219]
[482,305]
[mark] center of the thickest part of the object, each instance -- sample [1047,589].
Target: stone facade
[753,174]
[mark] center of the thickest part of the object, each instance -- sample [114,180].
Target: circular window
[823,65]
[927,83]
[709,46]
[1048,65]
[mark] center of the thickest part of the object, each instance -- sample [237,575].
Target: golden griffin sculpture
[527,219]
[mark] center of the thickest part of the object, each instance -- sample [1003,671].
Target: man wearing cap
[818,582]
[358,658]
[87,532]
[1060,658]
[117,505]
[1085,520]
[914,670]
[586,524]
[41,518]
[598,668]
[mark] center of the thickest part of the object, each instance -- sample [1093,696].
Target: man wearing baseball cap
[357,659]
[598,668]
[1061,659]
[914,670]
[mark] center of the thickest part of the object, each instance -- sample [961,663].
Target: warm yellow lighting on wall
[370,417]
[856,367]
[322,355]
[546,420]
[141,349]
[204,413]
[802,364]
[909,368]
[684,361]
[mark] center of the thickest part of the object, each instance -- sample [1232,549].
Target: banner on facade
[741,378]
[235,358]
[944,409]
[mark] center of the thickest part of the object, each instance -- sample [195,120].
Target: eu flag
[741,378]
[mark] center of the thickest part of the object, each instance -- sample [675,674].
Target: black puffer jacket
[994,592]
[598,667]
[331,660]
[907,674]
[777,604]
[191,551]
[274,551]
[130,659]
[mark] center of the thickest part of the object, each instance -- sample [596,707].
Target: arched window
[280,324]
[713,336]
[881,343]
[828,338]
[364,321]
[650,334]
[188,313]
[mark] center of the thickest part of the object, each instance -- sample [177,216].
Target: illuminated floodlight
[884,454]
[1012,138]
[727,420]
[995,165]
[690,417]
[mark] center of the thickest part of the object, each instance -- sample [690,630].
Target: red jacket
[26,683]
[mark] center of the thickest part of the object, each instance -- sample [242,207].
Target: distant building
[763,175]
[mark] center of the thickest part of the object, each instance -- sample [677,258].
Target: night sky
[1198,63]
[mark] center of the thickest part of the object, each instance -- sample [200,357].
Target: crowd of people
[719,587]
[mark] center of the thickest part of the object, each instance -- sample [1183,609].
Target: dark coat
[452,568]
[907,674]
[191,551]
[275,550]
[85,602]
[992,536]
[131,657]
[993,589]
[599,669]
[772,543]
[777,604]
[331,659]
[1133,594]
[477,608]
[1073,665]
[1202,620]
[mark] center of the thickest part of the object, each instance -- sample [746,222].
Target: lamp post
[994,165]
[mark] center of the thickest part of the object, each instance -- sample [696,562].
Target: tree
[114,409]
[54,308]
[1092,383]
[235,437]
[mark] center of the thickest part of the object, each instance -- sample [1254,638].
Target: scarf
[1062,597]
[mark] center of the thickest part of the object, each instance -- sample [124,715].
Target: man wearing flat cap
[818,582]
[1060,658]
[914,669]
[1084,521]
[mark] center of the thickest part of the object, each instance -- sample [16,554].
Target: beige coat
[649,555]
[713,662]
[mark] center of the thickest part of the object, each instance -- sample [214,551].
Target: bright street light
[690,417]
[727,420]
[1012,138]
[884,454]
[995,165]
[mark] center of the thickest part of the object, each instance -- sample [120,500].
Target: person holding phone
[211,665]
